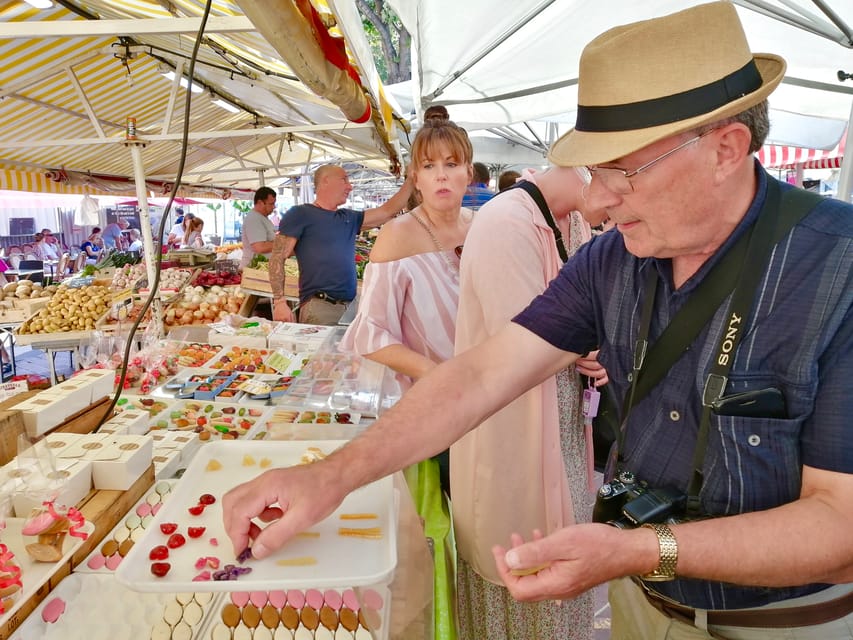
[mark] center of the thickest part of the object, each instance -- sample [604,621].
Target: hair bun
[436,112]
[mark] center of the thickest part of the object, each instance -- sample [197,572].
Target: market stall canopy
[512,70]
[782,157]
[73,74]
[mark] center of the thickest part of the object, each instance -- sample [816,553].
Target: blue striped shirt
[799,339]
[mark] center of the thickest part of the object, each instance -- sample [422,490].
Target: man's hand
[290,500]
[281,311]
[570,561]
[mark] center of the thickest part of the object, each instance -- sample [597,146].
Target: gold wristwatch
[668,554]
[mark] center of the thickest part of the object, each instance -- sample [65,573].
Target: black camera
[626,502]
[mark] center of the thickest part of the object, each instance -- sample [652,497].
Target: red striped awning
[779,157]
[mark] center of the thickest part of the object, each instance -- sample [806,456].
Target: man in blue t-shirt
[323,238]
[478,192]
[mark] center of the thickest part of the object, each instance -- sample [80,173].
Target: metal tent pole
[147,238]
[845,180]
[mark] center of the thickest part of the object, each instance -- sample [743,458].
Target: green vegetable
[257,259]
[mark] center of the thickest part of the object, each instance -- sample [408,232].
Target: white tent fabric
[495,66]
[494,71]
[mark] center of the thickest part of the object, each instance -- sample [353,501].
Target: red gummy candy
[176,540]
[206,499]
[160,552]
[168,527]
[160,569]
[196,510]
[196,532]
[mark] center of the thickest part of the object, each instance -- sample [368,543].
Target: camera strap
[743,265]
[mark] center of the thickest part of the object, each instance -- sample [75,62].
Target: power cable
[153,286]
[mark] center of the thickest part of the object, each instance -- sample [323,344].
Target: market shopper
[537,441]
[407,311]
[683,188]
[258,232]
[478,192]
[192,236]
[176,233]
[322,236]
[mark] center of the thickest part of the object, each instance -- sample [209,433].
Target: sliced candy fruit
[160,552]
[176,540]
[168,527]
[196,532]
[160,569]
[206,498]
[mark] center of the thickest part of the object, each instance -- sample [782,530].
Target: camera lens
[605,490]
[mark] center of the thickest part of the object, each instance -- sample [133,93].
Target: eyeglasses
[619,180]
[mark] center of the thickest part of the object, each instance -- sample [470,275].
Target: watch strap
[668,554]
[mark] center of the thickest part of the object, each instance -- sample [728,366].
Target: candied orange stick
[308,534]
[359,516]
[302,561]
[370,532]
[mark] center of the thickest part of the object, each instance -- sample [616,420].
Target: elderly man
[323,238]
[743,441]
[113,234]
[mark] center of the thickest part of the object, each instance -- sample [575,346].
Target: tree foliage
[388,39]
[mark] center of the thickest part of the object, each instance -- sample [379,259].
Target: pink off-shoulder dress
[412,302]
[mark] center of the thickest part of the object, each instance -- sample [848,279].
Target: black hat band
[669,109]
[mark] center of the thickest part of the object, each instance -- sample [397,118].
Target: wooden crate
[11,426]
[256,280]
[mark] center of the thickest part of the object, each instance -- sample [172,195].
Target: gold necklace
[435,241]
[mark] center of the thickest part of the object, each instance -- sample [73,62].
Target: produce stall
[223,408]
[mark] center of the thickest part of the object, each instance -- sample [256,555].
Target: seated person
[93,246]
[42,250]
[135,241]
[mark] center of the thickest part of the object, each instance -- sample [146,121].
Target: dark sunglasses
[458,251]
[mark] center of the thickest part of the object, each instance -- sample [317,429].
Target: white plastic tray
[34,574]
[164,417]
[98,608]
[340,560]
[107,556]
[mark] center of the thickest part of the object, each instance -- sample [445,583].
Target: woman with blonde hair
[407,313]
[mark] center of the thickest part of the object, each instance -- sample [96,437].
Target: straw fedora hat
[642,82]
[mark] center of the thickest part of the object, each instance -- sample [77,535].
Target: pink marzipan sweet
[53,610]
[96,562]
[295,598]
[333,599]
[278,599]
[314,599]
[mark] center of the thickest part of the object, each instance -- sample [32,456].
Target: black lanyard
[741,268]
